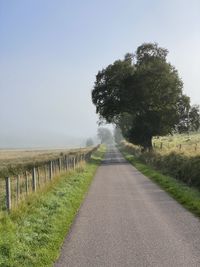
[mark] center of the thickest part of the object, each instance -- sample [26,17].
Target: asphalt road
[126,220]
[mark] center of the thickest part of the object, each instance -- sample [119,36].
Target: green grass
[187,196]
[33,234]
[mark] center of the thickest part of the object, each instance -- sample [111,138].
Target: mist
[51,52]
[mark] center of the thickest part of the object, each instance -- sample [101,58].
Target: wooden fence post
[67,162]
[161,145]
[38,175]
[60,164]
[8,194]
[34,184]
[195,148]
[18,188]
[74,162]
[50,170]
[26,177]
[45,173]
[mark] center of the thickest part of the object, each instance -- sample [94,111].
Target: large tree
[142,94]
[118,137]
[105,135]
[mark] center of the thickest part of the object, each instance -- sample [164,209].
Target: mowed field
[180,143]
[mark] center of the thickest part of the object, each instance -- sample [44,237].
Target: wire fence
[195,148]
[15,188]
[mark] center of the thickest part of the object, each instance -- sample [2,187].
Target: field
[188,145]
[31,170]
[14,158]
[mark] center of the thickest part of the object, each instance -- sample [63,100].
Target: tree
[89,142]
[105,135]
[118,135]
[142,94]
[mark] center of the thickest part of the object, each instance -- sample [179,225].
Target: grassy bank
[183,167]
[187,196]
[32,234]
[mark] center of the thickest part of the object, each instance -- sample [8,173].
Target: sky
[51,50]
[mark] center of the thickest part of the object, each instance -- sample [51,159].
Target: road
[126,220]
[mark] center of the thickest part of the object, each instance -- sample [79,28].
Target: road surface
[126,220]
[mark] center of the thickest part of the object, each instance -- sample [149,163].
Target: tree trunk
[148,147]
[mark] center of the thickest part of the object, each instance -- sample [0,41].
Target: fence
[15,188]
[178,147]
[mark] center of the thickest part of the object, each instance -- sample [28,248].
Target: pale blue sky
[51,50]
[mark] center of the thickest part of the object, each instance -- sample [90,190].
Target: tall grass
[188,145]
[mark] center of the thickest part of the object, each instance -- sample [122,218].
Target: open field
[26,171]
[180,143]
[14,158]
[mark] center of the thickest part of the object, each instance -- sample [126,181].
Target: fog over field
[50,52]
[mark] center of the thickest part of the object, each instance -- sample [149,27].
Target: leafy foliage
[142,94]
[118,135]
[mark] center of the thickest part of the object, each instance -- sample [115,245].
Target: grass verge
[32,234]
[187,196]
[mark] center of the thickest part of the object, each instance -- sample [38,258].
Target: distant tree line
[143,96]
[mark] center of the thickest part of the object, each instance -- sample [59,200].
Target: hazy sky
[51,50]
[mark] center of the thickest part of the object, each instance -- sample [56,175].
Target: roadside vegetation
[189,197]
[176,171]
[32,234]
[182,164]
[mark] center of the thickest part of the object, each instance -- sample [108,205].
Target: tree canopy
[142,94]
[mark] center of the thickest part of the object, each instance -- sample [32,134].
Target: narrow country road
[126,220]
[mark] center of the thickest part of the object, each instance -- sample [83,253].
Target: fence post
[45,173]
[34,180]
[50,170]
[38,175]
[18,188]
[26,177]
[195,148]
[74,162]
[60,164]
[161,145]
[8,194]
